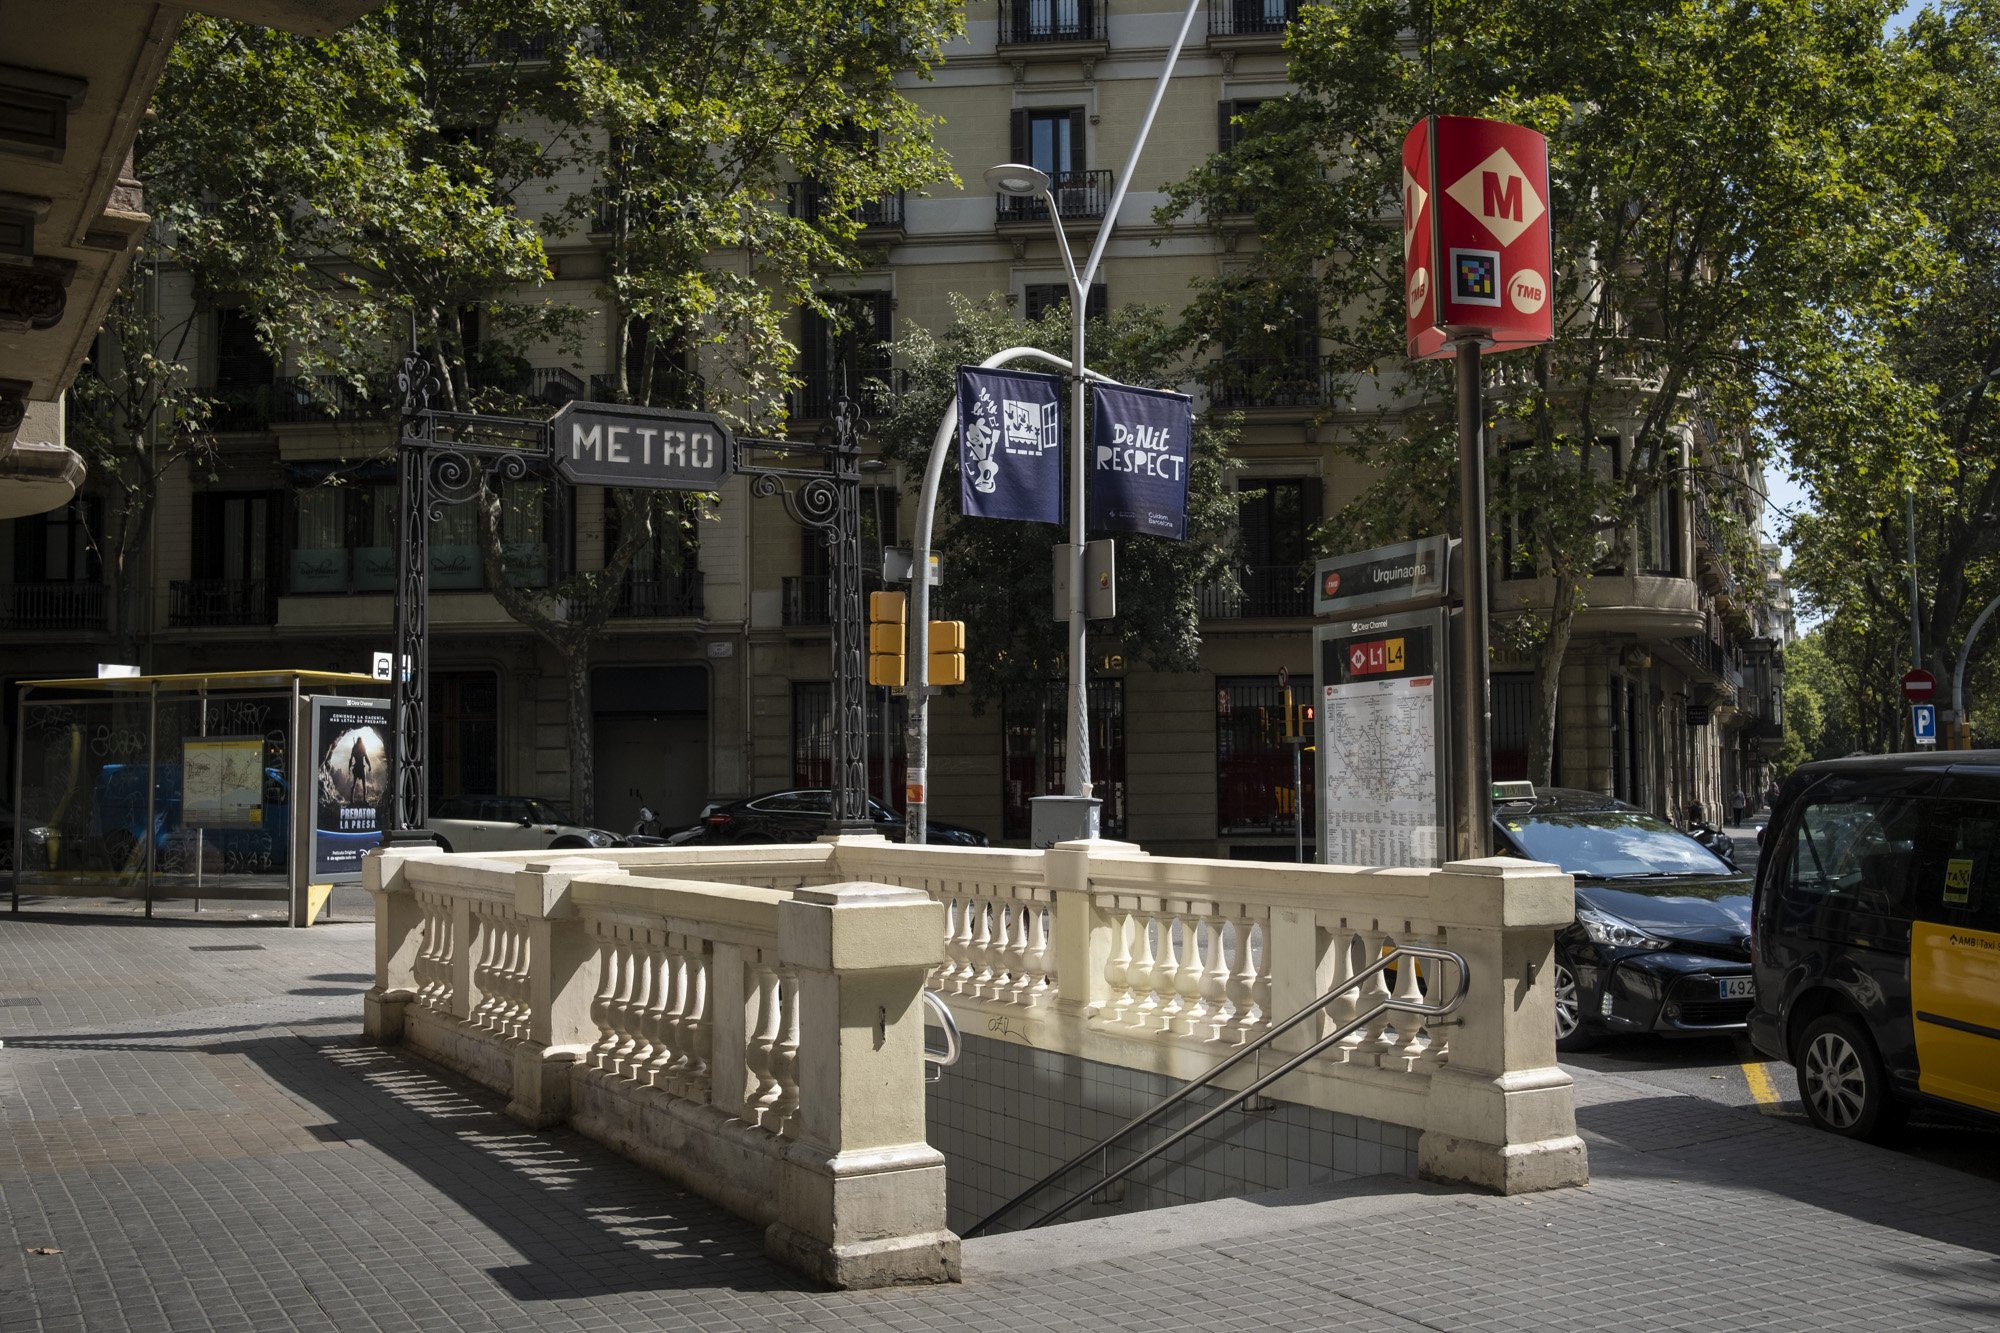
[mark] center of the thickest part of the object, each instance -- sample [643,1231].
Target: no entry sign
[1919,685]
[1476,249]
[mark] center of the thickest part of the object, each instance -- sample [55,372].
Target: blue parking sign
[1923,723]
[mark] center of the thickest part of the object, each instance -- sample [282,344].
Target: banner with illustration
[350,749]
[1010,445]
[1139,462]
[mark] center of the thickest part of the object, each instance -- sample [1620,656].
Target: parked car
[1878,937]
[118,824]
[509,824]
[1661,940]
[801,814]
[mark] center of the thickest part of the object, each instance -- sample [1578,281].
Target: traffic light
[886,615]
[947,652]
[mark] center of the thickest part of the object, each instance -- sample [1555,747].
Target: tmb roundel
[1476,236]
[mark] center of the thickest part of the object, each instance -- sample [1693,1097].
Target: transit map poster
[222,781]
[1378,724]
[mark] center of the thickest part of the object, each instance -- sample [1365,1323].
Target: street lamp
[1074,813]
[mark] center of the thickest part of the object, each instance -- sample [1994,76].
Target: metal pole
[409,664]
[1957,675]
[916,792]
[1916,619]
[1472,803]
[848,801]
[1076,768]
[1298,801]
[153,783]
[20,792]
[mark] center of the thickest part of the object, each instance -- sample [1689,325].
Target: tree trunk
[582,744]
[1546,704]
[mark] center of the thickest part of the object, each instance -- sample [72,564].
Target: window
[1659,532]
[240,360]
[1628,741]
[1275,521]
[1513,724]
[1050,21]
[235,537]
[813,740]
[841,354]
[1521,462]
[1271,348]
[1035,730]
[343,537]
[1254,792]
[1228,131]
[59,546]
[665,575]
[1050,139]
[465,733]
[1859,853]
[1953,884]
[1038,298]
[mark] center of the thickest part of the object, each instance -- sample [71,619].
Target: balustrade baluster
[1347,960]
[1242,979]
[1118,967]
[1146,999]
[621,1008]
[695,1025]
[1409,989]
[669,1057]
[1019,981]
[1215,984]
[765,1091]
[486,980]
[785,1057]
[601,1004]
[1037,961]
[514,979]
[1260,988]
[1374,1038]
[633,1059]
[982,949]
[1187,980]
[1167,974]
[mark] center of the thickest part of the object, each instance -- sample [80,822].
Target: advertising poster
[1139,467]
[350,747]
[1010,445]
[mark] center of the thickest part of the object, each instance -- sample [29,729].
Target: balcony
[1079,195]
[298,400]
[660,596]
[1249,382]
[808,598]
[239,408]
[1250,18]
[221,603]
[807,201]
[1050,22]
[877,387]
[1260,592]
[53,606]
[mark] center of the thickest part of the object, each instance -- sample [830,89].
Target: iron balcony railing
[237,408]
[1024,22]
[1246,18]
[807,200]
[808,598]
[1259,591]
[1245,382]
[877,388]
[660,596]
[310,399]
[62,606]
[1079,194]
[220,603]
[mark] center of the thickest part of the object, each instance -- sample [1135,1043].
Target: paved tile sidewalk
[195,1126]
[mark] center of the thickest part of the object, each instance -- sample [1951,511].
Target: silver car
[509,824]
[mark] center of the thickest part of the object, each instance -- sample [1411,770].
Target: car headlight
[597,839]
[1603,928]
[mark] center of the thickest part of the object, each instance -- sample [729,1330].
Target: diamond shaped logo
[1415,197]
[1499,194]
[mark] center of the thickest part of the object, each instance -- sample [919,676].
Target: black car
[801,815]
[1661,940]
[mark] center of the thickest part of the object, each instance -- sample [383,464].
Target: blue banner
[1010,445]
[1139,467]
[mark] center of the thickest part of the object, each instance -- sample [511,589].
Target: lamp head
[1017,179]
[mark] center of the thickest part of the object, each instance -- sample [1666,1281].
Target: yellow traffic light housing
[887,613]
[947,644]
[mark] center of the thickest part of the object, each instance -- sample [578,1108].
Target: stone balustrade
[746,1019]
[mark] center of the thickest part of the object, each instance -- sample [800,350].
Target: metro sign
[1476,251]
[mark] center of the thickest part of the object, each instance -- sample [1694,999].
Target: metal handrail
[1433,1009]
[946,1058]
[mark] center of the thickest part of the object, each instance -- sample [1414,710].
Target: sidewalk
[187,1115]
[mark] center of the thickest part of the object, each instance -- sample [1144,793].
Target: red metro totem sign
[1476,251]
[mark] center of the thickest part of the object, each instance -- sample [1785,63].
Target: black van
[1876,937]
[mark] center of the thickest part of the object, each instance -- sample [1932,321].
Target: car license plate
[1739,988]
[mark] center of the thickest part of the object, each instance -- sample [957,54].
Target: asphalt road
[1730,1072]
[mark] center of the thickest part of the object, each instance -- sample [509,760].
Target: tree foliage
[1716,169]
[998,575]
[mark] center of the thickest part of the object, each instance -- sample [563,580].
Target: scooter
[1711,837]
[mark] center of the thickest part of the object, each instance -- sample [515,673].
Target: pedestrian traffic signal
[947,641]
[886,614]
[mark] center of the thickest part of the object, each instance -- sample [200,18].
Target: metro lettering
[581,439]
[645,444]
[1500,197]
[614,444]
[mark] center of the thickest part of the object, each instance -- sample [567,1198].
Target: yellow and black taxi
[1877,936]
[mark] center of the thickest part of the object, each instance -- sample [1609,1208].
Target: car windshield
[1612,844]
[541,812]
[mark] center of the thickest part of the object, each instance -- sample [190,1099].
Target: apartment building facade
[712,677]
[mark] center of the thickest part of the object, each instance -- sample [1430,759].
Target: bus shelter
[198,785]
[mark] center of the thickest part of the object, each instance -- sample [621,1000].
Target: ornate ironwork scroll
[442,457]
[827,501]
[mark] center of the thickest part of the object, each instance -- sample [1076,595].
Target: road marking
[1760,1086]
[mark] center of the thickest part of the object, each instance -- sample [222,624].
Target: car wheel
[565,844]
[1571,1033]
[1842,1082]
[442,844]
